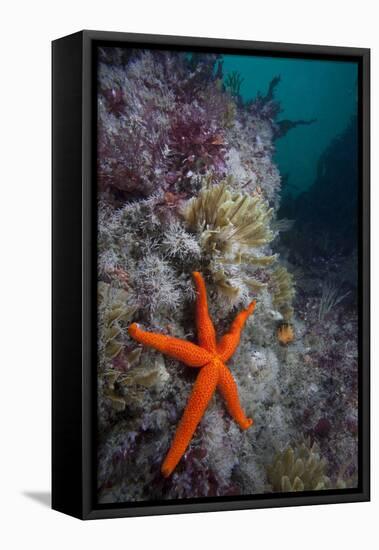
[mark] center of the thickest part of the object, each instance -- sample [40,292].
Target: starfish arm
[205,329]
[229,391]
[229,342]
[188,353]
[202,392]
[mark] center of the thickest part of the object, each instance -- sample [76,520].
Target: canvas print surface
[227,275]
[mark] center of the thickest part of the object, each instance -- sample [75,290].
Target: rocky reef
[187,182]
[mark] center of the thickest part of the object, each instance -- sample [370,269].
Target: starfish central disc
[210,357]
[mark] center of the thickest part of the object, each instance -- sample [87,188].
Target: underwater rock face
[187,182]
[327,212]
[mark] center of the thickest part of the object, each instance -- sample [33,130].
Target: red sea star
[210,356]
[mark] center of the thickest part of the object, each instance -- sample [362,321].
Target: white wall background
[27,29]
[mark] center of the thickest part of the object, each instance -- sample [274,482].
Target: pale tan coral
[113,313]
[225,219]
[127,388]
[256,286]
[224,283]
[233,228]
[283,291]
[298,468]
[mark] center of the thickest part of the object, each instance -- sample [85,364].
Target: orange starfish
[210,356]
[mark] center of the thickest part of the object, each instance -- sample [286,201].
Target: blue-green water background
[325,90]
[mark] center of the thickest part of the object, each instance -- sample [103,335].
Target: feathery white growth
[330,298]
[178,243]
[155,285]
[108,261]
[283,225]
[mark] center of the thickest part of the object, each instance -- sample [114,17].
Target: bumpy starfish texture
[210,356]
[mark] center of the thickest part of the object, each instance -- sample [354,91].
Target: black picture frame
[74,267]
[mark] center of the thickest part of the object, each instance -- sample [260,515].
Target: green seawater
[324,90]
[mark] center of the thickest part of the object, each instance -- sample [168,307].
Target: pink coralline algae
[159,118]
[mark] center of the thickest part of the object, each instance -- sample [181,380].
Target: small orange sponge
[285,334]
